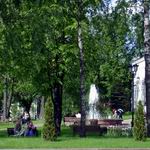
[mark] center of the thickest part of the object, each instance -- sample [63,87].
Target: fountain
[93,113]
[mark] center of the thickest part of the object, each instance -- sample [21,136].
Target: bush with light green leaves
[49,126]
[139,129]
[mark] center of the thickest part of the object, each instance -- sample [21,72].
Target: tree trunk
[82,89]
[38,107]
[147,61]
[41,116]
[27,104]
[27,108]
[9,101]
[57,101]
[10,97]
[5,96]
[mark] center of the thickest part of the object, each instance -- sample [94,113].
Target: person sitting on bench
[17,128]
[31,129]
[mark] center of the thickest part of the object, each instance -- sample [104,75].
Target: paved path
[127,121]
[85,149]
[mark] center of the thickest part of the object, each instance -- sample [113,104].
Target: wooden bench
[10,131]
[89,129]
[109,122]
[71,120]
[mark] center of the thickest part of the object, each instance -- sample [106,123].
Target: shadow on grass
[67,132]
[3,133]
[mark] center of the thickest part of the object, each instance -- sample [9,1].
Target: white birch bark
[147,61]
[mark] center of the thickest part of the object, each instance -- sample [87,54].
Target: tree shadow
[3,133]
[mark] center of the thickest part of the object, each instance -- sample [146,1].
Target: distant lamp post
[133,70]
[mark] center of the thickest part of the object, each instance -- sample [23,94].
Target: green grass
[127,116]
[67,140]
[72,142]
[76,142]
[4,125]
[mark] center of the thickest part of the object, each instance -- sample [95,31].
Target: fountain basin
[107,122]
[93,121]
[110,121]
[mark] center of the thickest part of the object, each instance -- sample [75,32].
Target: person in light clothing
[119,113]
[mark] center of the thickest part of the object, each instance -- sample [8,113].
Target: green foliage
[107,57]
[139,130]
[49,126]
[105,111]
[137,23]
[39,44]
[117,131]
[114,131]
[14,111]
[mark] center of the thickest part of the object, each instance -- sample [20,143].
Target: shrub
[139,130]
[118,131]
[49,126]
[114,131]
[127,132]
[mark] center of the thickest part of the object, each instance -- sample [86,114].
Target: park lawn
[73,142]
[67,140]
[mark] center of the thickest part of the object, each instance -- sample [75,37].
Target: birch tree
[147,59]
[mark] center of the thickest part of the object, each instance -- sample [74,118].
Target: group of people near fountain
[24,126]
[117,113]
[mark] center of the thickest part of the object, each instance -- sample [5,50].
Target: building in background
[139,82]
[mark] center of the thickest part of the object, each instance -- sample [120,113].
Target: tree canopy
[40,53]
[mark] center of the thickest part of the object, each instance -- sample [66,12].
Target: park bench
[71,120]
[89,129]
[100,128]
[10,131]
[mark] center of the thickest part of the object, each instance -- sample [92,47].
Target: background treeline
[39,54]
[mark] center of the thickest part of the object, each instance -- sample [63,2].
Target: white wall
[139,81]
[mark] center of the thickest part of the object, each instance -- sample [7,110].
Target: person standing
[25,117]
[120,113]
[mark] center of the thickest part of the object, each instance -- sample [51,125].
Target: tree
[109,50]
[79,17]
[8,68]
[25,93]
[35,49]
[48,52]
[147,60]
[82,73]
[139,130]
[49,126]
[47,48]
